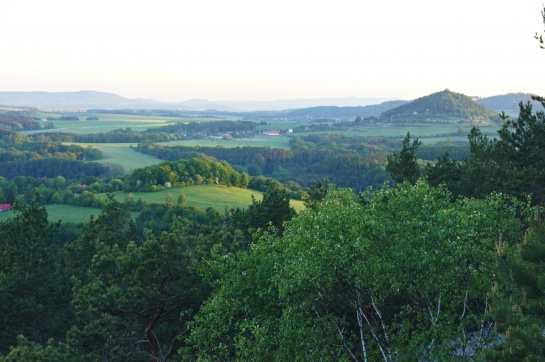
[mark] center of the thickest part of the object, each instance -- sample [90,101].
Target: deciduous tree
[402,275]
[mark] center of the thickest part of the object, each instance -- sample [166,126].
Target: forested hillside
[345,161]
[445,105]
[342,113]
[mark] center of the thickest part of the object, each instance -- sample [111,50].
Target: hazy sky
[266,50]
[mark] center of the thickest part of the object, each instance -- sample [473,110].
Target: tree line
[18,121]
[512,163]
[180,173]
[115,290]
[342,161]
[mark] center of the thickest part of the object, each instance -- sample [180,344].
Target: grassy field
[202,196]
[109,122]
[105,125]
[205,196]
[66,213]
[122,154]
[257,141]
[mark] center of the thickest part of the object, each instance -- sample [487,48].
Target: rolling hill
[441,107]
[343,113]
[90,99]
[508,103]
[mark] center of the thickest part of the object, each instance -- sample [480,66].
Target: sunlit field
[217,197]
[109,122]
[121,154]
[257,141]
[66,213]
[205,196]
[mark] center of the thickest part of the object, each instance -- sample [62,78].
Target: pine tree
[404,167]
[33,296]
[519,297]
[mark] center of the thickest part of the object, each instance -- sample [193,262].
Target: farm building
[5,207]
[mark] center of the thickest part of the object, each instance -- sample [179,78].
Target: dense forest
[404,252]
[15,121]
[184,173]
[346,161]
[444,265]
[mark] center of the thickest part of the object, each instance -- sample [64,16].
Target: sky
[176,50]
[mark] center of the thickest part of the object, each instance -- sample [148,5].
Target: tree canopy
[402,273]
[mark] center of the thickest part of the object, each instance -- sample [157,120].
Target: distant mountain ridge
[508,103]
[102,100]
[436,105]
[81,99]
[331,112]
[439,107]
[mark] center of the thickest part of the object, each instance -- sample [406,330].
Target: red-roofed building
[5,207]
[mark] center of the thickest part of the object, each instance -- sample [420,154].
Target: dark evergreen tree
[519,297]
[34,296]
[511,164]
[404,167]
[268,214]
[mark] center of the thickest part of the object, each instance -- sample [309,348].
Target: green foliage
[195,171]
[31,351]
[268,214]
[182,199]
[53,167]
[355,162]
[33,296]
[511,164]
[519,297]
[15,121]
[446,171]
[137,299]
[404,167]
[402,274]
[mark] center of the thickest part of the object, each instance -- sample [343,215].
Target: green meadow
[205,196]
[257,141]
[109,122]
[122,154]
[106,124]
[202,196]
[66,213]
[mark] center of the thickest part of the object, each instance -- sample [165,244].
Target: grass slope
[205,196]
[201,196]
[121,154]
[65,213]
[258,141]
